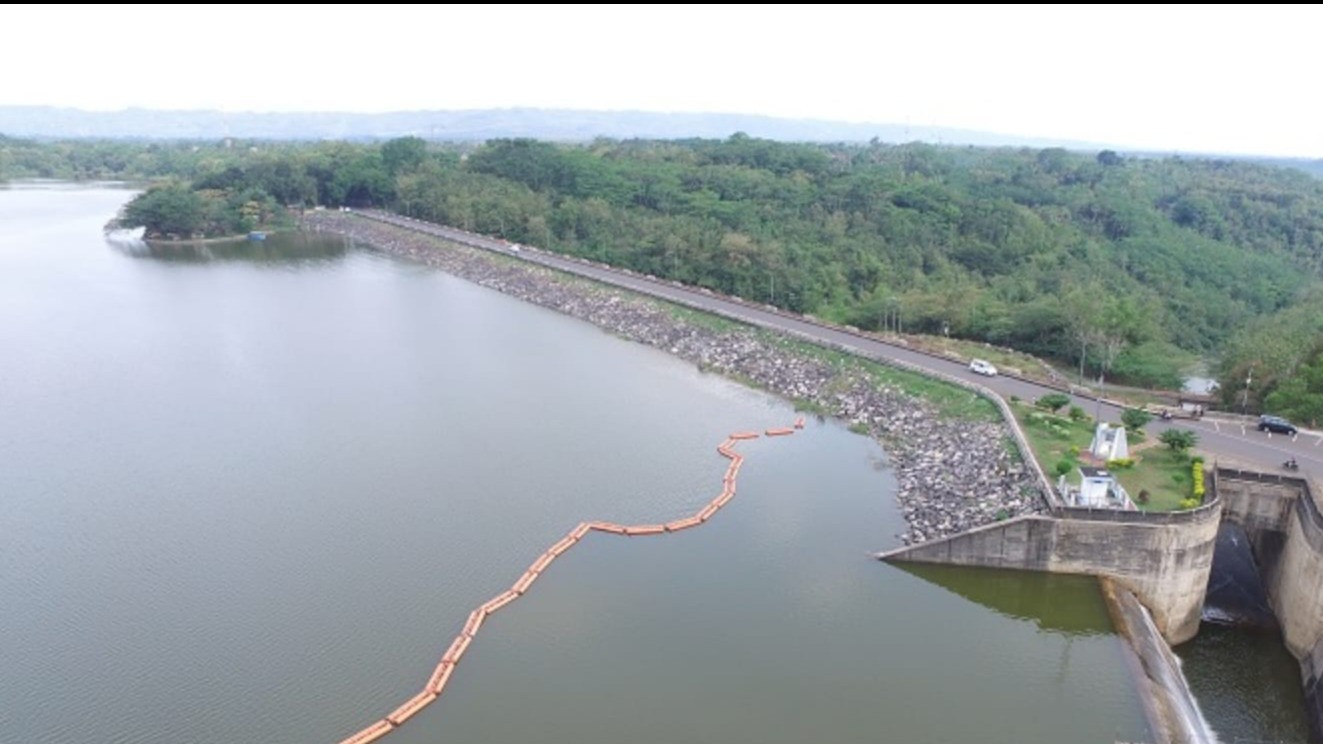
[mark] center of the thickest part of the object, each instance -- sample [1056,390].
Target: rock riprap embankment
[952,475]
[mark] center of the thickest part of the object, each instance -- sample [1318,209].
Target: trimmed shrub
[1053,401]
[1135,419]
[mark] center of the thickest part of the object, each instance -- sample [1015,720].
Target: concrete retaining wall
[1311,668]
[1295,583]
[1262,505]
[1164,561]
[1286,531]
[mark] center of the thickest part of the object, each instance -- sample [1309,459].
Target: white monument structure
[1109,443]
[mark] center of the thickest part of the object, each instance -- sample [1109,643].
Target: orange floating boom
[474,622]
[440,676]
[684,524]
[499,601]
[369,734]
[524,582]
[565,544]
[541,563]
[411,707]
[457,649]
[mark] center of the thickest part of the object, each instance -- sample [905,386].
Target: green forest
[1128,267]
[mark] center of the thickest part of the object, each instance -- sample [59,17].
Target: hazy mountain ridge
[481,124]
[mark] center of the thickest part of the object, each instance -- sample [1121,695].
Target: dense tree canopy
[1119,265]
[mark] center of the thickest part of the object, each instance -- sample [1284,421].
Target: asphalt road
[1227,439]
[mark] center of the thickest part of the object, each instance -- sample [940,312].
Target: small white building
[1097,489]
[1109,443]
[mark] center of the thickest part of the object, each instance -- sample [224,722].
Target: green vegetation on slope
[1120,266]
[1124,262]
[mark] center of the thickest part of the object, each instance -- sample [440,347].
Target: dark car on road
[1277,424]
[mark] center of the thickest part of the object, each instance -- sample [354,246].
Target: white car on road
[983,368]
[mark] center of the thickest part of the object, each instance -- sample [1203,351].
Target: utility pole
[1244,396]
[1097,413]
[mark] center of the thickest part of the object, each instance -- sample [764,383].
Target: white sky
[1212,78]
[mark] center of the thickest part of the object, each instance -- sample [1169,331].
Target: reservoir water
[249,492]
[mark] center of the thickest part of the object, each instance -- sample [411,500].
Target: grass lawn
[950,400]
[1006,359]
[1164,474]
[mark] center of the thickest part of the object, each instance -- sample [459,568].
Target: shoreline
[951,475]
[211,241]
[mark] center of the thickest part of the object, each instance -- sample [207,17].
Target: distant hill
[546,124]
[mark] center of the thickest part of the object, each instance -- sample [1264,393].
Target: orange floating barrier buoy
[565,544]
[457,649]
[524,582]
[684,524]
[474,623]
[541,563]
[437,682]
[371,733]
[411,707]
[499,601]
[445,669]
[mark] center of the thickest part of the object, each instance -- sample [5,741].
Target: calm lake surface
[250,492]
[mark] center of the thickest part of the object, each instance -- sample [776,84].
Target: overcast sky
[1191,78]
